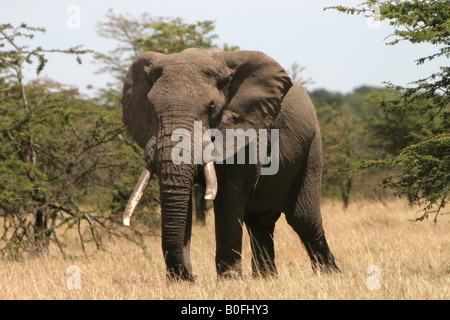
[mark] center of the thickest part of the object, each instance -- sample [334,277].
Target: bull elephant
[222,91]
[199,204]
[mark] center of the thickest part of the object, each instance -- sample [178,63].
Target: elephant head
[162,93]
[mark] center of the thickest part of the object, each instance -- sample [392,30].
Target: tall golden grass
[411,259]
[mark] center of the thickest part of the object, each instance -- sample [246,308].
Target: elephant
[199,204]
[227,90]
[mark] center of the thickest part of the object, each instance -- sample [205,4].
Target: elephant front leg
[235,187]
[228,243]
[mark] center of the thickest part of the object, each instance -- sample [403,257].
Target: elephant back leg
[305,216]
[260,227]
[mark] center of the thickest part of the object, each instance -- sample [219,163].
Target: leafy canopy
[423,163]
[58,153]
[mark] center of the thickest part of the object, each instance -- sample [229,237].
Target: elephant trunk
[176,222]
[175,183]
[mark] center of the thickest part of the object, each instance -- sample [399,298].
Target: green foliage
[424,172]
[343,119]
[58,154]
[13,56]
[421,110]
[341,138]
[394,129]
[145,33]
[174,35]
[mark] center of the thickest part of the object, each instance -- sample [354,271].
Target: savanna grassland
[411,262]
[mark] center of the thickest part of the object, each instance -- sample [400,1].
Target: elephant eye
[211,108]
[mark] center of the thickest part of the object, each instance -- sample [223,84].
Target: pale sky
[340,52]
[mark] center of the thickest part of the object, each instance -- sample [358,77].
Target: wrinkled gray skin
[229,90]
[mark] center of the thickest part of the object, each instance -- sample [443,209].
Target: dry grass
[413,259]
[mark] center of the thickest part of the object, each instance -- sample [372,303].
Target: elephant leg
[228,241]
[305,216]
[187,239]
[230,206]
[260,228]
[313,238]
[199,203]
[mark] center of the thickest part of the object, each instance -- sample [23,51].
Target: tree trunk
[345,192]
[41,242]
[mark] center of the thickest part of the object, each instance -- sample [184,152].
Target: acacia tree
[342,136]
[342,119]
[145,33]
[424,163]
[56,152]
[295,72]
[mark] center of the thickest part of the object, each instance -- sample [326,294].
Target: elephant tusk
[138,191]
[211,181]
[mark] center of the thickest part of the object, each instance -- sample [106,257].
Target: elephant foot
[324,264]
[225,271]
[229,275]
[178,267]
[264,267]
[325,268]
[322,260]
[268,272]
[180,275]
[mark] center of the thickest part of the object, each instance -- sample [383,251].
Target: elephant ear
[256,91]
[137,109]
